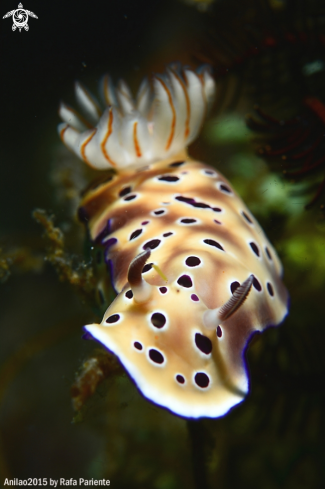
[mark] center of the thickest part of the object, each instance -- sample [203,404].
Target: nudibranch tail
[158,124]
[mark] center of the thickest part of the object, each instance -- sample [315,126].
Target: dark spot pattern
[202,380]
[185,281]
[144,223]
[165,235]
[152,244]
[188,221]
[135,234]
[257,285]
[163,290]
[203,343]
[210,172]
[112,319]
[147,267]
[158,320]
[156,356]
[270,289]
[129,294]
[192,261]
[194,298]
[217,222]
[248,219]
[138,345]
[212,242]
[125,191]
[110,242]
[224,188]
[234,286]
[219,332]
[268,254]
[168,178]
[159,212]
[177,164]
[193,203]
[180,379]
[254,248]
[129,197]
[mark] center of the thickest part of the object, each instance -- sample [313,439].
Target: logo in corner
[20,18]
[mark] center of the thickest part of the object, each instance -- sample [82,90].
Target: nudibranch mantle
[194,272]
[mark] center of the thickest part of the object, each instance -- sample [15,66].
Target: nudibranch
[194,273]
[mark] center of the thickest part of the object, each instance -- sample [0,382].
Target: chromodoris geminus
[194,272]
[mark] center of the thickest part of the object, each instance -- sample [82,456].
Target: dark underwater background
[275,438]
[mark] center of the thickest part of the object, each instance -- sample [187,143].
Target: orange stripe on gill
[173,124]
[63,131]
[107,135]
[83,147]
[135,140]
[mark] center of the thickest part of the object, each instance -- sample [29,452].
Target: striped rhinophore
[194,273]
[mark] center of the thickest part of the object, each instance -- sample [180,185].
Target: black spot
[188,221]
[165,235]
[129,294]
[177,163]
[217,222]
[254,248]
[202,380]
[188,200]
[137,345]
[203,343]
[147,267]
[168,178]
[268,254]
[234,286]
[144,223]
[113,319]
[216,209]
[212,242]
[248,219]
[180,379]
[185,281]
[135,234]
[209,172]
[152,244]
[163,290]
[110,242]
[192,261]
[125,191]
[158,320]
[130,197]
[156,356]
[219,332]
[194,298]
[161,211]
[257,285]
[225,188]
[201,205]
[270,289]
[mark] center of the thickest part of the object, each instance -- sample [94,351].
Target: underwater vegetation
[274,438]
